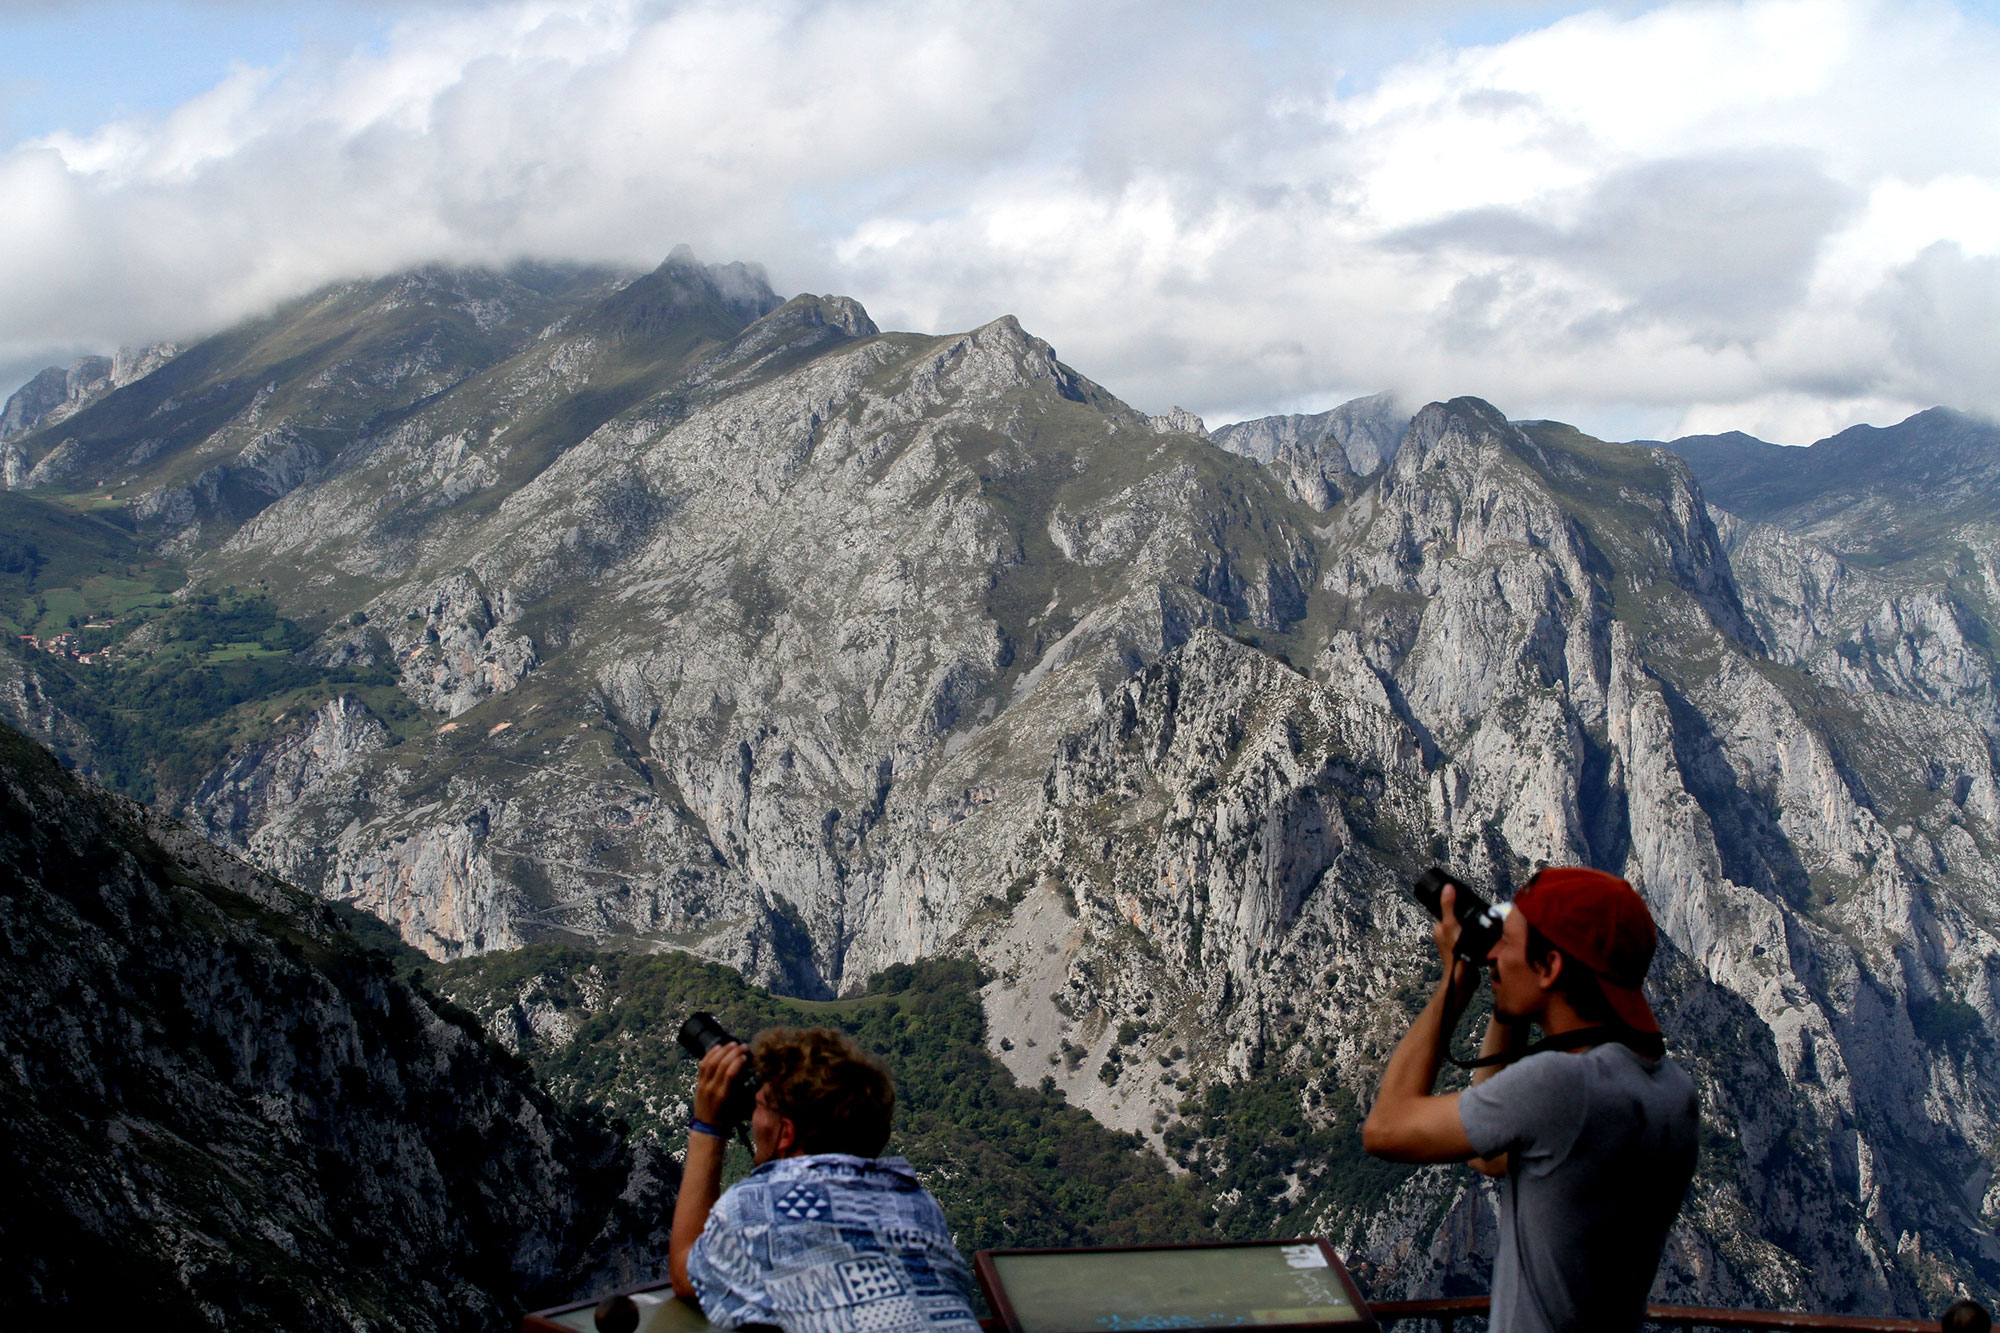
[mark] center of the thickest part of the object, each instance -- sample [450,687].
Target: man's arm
[1501,1039]
[1408,1123]
[701,1170]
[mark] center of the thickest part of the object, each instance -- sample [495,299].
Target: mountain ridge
[824,649]
[215,1093]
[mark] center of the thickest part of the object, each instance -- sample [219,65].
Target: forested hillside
[1012,1165]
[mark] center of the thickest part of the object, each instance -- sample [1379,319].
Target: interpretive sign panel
[1261,1284]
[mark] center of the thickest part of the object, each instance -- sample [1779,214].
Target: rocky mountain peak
[846,314]
[1322,457]
[1000,354]
[802,323]
[1179,419]
[58,393]
[54,388]
[1365,432]
[1441,431]
[681,288]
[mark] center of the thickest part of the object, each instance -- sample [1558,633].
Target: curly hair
[837,1096]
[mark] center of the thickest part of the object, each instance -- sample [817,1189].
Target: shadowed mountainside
[220,1107]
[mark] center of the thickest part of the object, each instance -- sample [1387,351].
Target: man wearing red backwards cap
[1595,1138]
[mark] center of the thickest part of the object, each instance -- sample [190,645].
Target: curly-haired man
[824,1234]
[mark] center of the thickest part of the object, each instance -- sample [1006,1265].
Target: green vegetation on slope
[1252,1144]
[175,679]
[61,570]
[1012,1166]
[163,708]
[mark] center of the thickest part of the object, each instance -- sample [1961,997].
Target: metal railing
[1447,1311]
[1409,1315]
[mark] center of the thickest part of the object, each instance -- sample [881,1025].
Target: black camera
[702,1034]
[1479,921]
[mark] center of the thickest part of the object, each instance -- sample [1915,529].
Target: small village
[69,644]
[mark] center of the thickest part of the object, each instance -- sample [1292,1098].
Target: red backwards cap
[1601,922]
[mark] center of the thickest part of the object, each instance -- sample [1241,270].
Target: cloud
[1779,209]
[1722,245]
[1940,309]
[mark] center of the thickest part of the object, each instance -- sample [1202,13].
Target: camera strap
[1651,1045]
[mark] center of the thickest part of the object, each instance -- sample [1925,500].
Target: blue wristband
[700,1126]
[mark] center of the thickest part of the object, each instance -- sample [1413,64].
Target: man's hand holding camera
[1460,974]
[715,1086]
[715,1083]
[1408,1123]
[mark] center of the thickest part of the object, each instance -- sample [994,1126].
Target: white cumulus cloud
[1771,215]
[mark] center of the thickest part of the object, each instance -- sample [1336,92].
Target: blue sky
[76,66]
[1775,215]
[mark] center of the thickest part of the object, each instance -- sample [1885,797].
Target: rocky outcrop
[58,392]
[1178,420]
[262,780]
[1323,457]
[460,646]
[44,397]
[214,1094]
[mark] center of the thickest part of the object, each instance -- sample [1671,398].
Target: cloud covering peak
[1780,216]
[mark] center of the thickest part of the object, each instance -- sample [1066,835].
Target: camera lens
[702,1034]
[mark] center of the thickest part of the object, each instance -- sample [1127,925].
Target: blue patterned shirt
[828,1243]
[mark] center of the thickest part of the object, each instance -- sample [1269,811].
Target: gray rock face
[758,681]
[748,629]
[1179,419]
[1322,457]
[59,393]
[1873,628]
[52,390]
[261,782]
[460,648]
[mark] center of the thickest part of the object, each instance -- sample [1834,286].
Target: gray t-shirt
[1601,1147]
